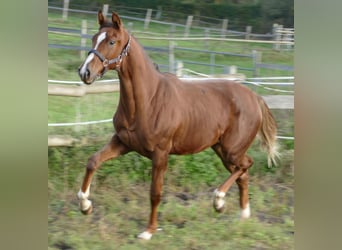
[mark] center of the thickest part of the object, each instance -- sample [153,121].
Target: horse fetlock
[219,200]
[85,204]
[83,196]
[245,212]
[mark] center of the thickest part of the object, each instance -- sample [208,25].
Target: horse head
[109,46]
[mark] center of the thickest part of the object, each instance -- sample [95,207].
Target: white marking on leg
[218,199]
[145,235]
[100,38]
[219,194]
[83,196]
[246,212]
[85,205]
[84,202]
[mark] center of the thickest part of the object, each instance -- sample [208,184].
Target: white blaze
[100,38]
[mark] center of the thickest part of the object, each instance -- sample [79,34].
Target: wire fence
[90,115]
[261,82]
[174,20]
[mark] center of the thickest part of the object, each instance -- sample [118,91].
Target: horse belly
[193,143]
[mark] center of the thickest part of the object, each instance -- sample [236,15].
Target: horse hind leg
[240,176]
[242,183]
[112,149]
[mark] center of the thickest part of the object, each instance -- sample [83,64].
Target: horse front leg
[112,149]
[159,167]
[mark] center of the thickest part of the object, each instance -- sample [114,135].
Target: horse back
[205,110]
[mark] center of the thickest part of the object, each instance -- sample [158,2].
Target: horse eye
[112,42]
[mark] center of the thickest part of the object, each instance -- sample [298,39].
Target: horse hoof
[88,211]
[219,201]
[145,236]
[219,209]
[219,205]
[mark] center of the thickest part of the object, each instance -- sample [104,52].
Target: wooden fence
[273,101]
[255,56]
[280,36]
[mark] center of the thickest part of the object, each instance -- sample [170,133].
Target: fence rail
[207,24]
[172,49]
[273,101]
[64,88]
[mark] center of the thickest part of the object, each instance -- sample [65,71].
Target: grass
[186,216]
[120,188]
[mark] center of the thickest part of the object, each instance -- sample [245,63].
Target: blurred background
[251,41]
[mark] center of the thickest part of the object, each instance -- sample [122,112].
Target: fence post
[280,35]
[65,10]
[188,26]
[172,30]
[179,69]
[206,41]
[276,36]
[159,12]
[172,45]
[232,70]
[83,39]
[257,57]
[130,27]
[105,9]
[224,28]
[248,32]
[212,63]
[147,18]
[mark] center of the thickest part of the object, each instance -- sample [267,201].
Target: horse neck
[138,80]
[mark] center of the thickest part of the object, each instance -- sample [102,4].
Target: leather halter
[117,59]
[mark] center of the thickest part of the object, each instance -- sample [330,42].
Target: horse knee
[246,162]
[243,163]
[92,163]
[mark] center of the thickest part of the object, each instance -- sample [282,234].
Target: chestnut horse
[158,115]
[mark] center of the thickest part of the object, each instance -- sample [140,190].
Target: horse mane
[106,24]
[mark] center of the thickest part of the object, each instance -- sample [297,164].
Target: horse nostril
[87,73]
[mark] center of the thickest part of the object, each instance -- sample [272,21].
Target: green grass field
[120,188]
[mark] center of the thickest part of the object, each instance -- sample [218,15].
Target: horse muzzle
[86,76]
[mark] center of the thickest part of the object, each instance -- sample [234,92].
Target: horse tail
[268,133]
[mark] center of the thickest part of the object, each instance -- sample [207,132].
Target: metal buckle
[105,63]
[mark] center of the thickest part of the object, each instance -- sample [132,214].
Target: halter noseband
[117,59]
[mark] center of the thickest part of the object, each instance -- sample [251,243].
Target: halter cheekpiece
[117,59]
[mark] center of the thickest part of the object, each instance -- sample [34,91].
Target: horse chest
[136,141]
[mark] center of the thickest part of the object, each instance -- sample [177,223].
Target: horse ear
[100,17]
[116,20]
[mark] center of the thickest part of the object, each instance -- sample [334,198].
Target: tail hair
[268,134]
